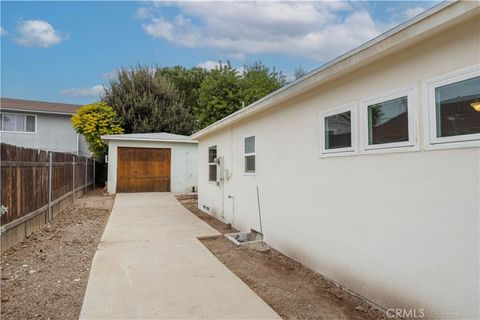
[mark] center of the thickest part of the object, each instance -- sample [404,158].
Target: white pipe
[233,209]
[78,142]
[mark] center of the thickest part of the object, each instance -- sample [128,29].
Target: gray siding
[54,132]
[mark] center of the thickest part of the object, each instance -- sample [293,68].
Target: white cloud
[209,65]
[110,75]
[306,29]
[92,92]
[37,33]
[143,13]
[212,65]
[413,11]
[159,28]
[3,32]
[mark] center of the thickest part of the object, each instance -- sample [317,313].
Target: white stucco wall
[54,133]
[401,229]
[184,163]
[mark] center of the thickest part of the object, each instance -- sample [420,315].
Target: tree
[224,91]
[147,101]
[299,72]
[93,121]
[218,95]
[258,81]
[187,81]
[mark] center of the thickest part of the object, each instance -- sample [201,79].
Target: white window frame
[213,163]
[245,172]
[411,143]
[430,116]
[352,107]
[25,122]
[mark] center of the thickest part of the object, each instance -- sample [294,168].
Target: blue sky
[66,51]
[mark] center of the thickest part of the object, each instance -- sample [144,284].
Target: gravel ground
[292,290]
[45,276]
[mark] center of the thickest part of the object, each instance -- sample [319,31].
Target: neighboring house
[40,125]
[380,198]
[145,162]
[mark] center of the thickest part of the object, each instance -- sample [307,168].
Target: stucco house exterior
[40,125]
[367,167]
[148,162]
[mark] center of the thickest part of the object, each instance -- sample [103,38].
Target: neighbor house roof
[38,106]
[413,30]
[157,136]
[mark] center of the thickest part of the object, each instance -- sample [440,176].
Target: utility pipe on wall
[233,209]
[78,143]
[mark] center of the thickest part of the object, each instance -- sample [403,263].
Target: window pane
[212,172]
[30,124]
[20,123]
[212,154]
[455,110]
[250,164]
[250,144]
[8,122]
[338,131]
[388,121]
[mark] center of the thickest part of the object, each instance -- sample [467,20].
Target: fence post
[86,174]
[49,213]
[93,174]
[73,179]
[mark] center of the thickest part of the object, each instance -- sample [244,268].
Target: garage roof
[156,136]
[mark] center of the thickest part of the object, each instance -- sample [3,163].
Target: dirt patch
[45,276]
[292,290]
[191,203]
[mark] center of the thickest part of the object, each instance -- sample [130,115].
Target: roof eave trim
[110,138]
[37,111]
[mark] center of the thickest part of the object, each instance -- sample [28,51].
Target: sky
[66,51]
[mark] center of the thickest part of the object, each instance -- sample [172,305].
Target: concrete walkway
[150,265]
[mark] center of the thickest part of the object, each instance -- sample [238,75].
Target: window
[212,165]
[389,121]
[337,130]
[17,122]
[454,107]
[250,154]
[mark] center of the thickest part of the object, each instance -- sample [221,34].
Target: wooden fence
[35,181]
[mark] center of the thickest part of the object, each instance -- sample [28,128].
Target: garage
[151,162]
[143,169]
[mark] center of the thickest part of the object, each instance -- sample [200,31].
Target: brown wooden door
[143,169]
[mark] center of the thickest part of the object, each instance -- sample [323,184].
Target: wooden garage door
[143,169]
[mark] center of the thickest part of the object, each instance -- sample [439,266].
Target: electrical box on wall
[220,167]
